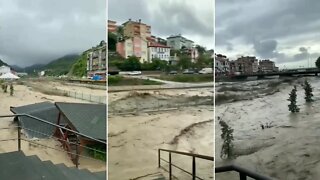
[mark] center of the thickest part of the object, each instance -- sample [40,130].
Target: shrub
[293,100]
[308,91]
[227,137]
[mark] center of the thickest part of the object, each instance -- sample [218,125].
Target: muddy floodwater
[290,148]
[142,122]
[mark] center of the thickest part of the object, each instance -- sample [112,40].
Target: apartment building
[96,60]
[177,42]
[136,28]
[244,65]
[134,46]
[267,66]
[222,63]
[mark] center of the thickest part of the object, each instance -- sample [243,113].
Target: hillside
[3,63]
[56,67]
[61,66]
[79,68]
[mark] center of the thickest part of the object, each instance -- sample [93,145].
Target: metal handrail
[52,124]
[243,173]
[64,140]
[210,158]
[194,156]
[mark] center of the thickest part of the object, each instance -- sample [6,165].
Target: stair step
[16,166]
[42,170]
[155,176]
[101,175]
[67,170]
[55,169]
[85,174]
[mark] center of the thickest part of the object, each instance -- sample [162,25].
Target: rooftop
[154,44]
[88,119]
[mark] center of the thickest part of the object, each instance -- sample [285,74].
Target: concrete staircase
[17,166]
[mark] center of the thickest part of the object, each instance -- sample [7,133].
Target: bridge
[286,73]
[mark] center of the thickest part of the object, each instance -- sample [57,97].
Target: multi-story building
[134,46]
[245,65]
[159,51]
[267,66]
[178,41]
[224,64]
[96,60]
[136,28]
[112,26]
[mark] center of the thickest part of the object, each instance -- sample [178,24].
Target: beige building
[245,65]
[267,66]
[136,28]
[135,46]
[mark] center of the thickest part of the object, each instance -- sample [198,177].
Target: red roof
[154,44]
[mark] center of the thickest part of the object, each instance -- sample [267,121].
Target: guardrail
[243,173]
[66,143]
[194,156]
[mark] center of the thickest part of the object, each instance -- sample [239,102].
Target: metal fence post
[193,168]
[77,152]
[242,176]
[170,167]
[19,136]
[159,158]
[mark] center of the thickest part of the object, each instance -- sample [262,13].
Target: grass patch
[98,151]
[124,81]
[193,78]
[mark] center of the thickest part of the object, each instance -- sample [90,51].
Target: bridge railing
[243,173]
[193,156]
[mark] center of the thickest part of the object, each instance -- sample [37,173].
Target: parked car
[135,73]
[188,71]
[173,72]
[206,71]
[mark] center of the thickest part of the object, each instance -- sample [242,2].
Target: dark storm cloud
[167,17]
[38,31]
[267,25]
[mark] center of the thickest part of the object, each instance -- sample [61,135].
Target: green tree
[79,68]
[120,33]
[131,64]
[293,101]
[308,91]
[184,62]
[201,49]
[318,62]
[112,42]
[227,137]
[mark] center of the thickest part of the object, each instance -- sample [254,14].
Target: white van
[206,71]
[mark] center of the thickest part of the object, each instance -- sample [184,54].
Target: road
[166,85]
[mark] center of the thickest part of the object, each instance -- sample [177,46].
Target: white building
[4,70]
[178,41]
[224,64]
[156,50]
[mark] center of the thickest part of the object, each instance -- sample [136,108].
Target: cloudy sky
[37,31]
[192,18]
[287,31]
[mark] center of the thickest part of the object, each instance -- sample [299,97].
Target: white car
[206,71]
[135,73]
